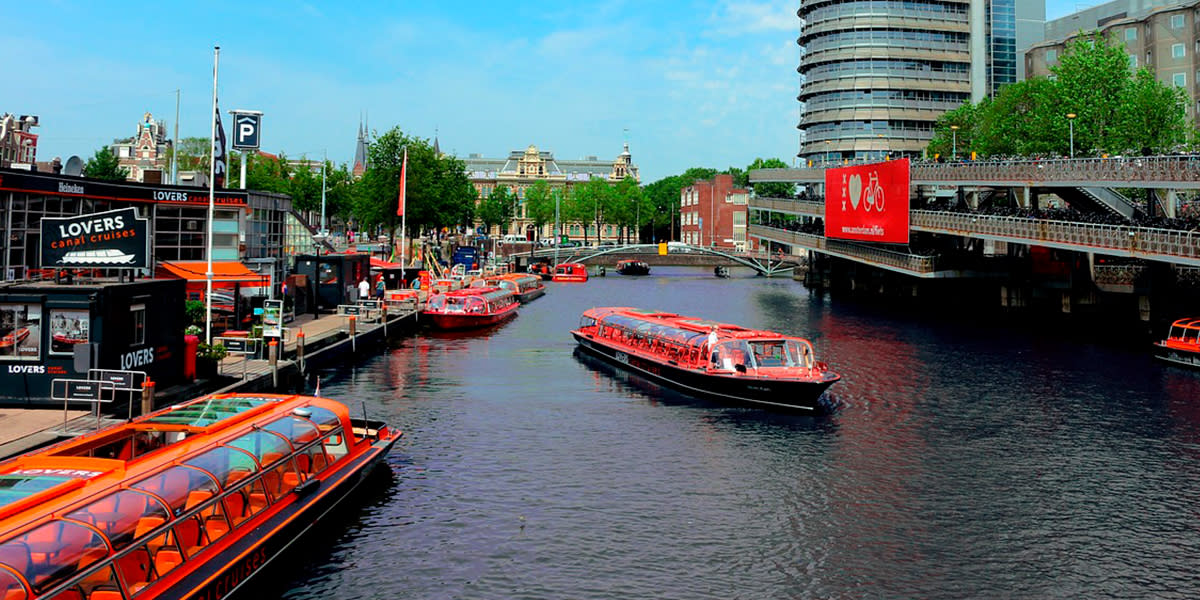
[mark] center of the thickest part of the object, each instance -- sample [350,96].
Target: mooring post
[147,396]
[300,350]
[383,312]
[353,333]
[273,357]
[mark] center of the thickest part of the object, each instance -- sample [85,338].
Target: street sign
[125,381]
[246,129]
[81,390]
[237,345]
[272,318]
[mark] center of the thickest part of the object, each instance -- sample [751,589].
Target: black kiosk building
[134,326]
[332,279]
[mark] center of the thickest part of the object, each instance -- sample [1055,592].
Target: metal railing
[912,263]
[1121,240]
[1175,172]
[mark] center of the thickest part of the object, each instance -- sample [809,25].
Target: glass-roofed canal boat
[188,502]
[703,358]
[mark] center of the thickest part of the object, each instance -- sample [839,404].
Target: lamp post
[954,142]
[1071,123]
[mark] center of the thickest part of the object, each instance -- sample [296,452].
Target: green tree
[591,199]
[497,209]
[539,204]
[1091,77]
[769,189]
[1151,115]
[104,165]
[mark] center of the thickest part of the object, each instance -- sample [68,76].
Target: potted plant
[207,357]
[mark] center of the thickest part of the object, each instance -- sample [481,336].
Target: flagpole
[403,208]
[212,195]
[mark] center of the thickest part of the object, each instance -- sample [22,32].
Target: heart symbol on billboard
[855,190]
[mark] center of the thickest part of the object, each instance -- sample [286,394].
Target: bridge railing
[1124,239]
[1136,171]
[882,256]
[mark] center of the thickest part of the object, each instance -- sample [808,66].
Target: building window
[138,314]
[1051,56]
[1132,61]
[1131,34]
[1176,21]
[67,328]
[1179,79]
[1177,51]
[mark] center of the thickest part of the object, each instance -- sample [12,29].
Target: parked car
[570,244]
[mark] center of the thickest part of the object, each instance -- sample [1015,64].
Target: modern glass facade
[876,74]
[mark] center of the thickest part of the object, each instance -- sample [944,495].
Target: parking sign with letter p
[246,127]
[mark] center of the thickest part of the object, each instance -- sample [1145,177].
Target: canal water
[962,458]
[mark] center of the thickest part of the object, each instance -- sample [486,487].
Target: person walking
[379,288]
[364,289]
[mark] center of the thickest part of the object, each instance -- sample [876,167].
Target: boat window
[474,305]
[201,528]
[266,447]
[282,479]
[324,418]
[728,355]
[586,322]
[335,445]
[97,585]
[181,487]
[11,587]
[14,487]
[227,464]
[211,410]
[53,553]
[121,515]
[771,353]
[437,302]
[1176,332]
[802,353]
[299,431]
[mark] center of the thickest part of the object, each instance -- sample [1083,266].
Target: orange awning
[223,272]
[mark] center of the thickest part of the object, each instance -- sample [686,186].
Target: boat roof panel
[209,411]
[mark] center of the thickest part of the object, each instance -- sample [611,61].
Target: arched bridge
[762,263]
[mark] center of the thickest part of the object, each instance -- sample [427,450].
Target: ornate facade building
[145,154]
[522,168]
[18,142]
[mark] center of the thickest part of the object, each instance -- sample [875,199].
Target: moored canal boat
[570,273]
[631,266]
[708,359]
[524,286]
[470,308]
[188,502]
[1182,345]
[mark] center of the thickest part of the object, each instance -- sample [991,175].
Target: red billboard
[868,202]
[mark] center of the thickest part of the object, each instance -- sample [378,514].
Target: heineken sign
[116,239]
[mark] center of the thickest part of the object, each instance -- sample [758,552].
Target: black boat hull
[776,394]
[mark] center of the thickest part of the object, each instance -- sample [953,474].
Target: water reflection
[965,459]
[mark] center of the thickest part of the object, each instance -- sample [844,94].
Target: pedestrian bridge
[677,254]
[1167,245]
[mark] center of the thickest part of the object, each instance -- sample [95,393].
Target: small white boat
[108,256]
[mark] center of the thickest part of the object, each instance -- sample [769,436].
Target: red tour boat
[570,272]
[524,286]
[471,307]
[1182,345]
[188,502]
[14,338]
[704,358]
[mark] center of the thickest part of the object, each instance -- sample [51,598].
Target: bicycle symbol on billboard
[872,198]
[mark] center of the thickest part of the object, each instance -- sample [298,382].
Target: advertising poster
[868,203]
[272,318]
[20,331]
[113,239]
[68,327]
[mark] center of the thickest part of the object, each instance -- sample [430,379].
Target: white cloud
[739,18]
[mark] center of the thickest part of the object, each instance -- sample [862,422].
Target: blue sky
[694,83]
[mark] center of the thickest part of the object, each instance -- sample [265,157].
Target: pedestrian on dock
[364,289]
[379,288]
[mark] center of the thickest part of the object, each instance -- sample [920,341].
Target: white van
[514,239]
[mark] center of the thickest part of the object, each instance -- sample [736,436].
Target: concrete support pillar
[1167,200]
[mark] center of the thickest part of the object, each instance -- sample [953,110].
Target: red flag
[403,169]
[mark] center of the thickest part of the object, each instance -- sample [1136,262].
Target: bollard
[383,313]
[147,396]
[273,358]
[300,350]
[353,333]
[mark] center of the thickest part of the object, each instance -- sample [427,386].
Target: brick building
[144,154]
[713,213]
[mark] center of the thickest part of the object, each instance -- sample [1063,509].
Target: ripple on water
[962,460]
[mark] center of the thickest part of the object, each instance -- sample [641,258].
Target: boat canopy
[639,328]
